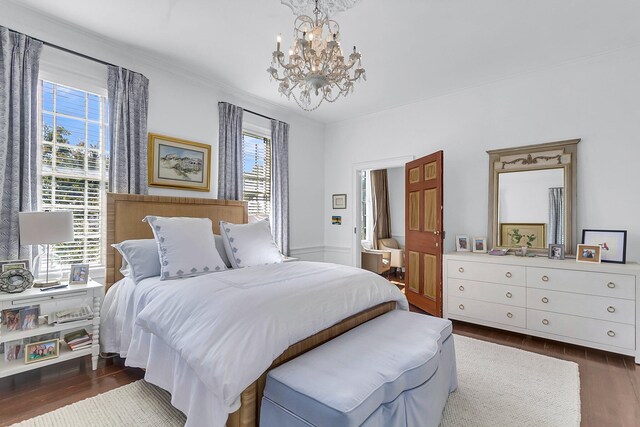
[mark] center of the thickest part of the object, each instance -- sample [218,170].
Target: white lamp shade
[40,228]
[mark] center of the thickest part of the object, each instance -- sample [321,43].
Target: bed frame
[124,221]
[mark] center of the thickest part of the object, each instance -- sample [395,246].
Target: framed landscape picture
[613,244]
[531,235]
[177,163]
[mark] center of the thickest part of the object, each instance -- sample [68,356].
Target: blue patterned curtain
[556,216]
[19,66]
[280,185]
[229,152]
[128,106]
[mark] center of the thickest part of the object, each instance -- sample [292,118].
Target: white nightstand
[49,302]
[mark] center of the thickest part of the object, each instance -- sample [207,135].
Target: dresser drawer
[603,284]
[487,272]
[599,331]
[488,311]
[603,308]
[489,292]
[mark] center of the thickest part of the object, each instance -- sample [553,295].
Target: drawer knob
[611,309]
[545,300]
[509,294]
[545,322]
[508,274]
[461,270]
[611,333]
[509,315]
[545,278]
[611,285]
[461,287]
[461,306]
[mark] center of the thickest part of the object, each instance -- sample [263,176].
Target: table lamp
[45,228]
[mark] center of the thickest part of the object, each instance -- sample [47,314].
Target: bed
[141,336]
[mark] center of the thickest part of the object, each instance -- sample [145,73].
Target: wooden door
[424,232]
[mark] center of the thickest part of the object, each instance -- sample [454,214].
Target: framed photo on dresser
[613,244]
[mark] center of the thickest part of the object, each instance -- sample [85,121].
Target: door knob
[436,232]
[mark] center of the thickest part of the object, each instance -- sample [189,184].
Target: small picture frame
[613,244]
[13,264]
[336,220]
[29,317]
[339,201]
[480,245]
[43,350]
[589,253]
[556,251]
[13,350]
[462,243]
[79,274]
[11,319]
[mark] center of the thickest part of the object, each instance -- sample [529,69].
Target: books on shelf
[78,340]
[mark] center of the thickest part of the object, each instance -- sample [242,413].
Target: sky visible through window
[74,166]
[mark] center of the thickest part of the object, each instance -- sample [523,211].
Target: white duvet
[229,326]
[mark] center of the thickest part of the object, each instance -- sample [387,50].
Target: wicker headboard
[126,211]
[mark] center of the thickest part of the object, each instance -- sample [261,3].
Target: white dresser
[593,305]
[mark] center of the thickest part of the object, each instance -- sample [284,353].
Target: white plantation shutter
[256,160]
[74,166]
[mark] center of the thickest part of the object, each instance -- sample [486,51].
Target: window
[74,166]
[256,160]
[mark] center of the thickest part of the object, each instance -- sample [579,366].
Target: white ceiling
[412,49]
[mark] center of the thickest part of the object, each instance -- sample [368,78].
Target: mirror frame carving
[552,155]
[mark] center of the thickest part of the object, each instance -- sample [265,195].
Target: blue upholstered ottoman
[395,370]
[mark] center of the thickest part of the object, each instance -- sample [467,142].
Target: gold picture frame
[589,253]
[517,235]
[43,350]
[178,163]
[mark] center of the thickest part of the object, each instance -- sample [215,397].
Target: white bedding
[225,329]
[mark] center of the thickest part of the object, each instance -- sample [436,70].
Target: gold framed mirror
[532,196]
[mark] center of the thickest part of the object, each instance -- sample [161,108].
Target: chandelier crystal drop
[316,68]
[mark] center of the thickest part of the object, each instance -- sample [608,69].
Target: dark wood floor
[610,384]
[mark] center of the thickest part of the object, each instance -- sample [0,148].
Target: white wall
[395,177]
[185,105]
[595,99]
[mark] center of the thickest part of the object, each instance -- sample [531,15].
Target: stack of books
[78,340]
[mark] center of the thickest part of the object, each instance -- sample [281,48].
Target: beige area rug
[498,386]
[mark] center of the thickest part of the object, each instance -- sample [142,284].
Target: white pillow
[186,246]
[249,244]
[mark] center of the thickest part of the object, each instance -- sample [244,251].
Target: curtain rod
[64,49]
[258,114]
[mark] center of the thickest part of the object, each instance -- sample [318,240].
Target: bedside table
[54,300]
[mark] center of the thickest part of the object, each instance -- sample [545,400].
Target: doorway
[362,214]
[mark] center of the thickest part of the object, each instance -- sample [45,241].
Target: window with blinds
[74,166]
[256,159]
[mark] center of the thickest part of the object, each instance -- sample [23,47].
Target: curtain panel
[555,235]
[128,107]
[230,151]
[380,206]
[280,185]
[19,66]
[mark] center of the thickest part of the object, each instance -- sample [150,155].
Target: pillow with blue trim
[249,244]
[186,246]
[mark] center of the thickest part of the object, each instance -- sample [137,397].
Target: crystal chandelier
[316,69]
